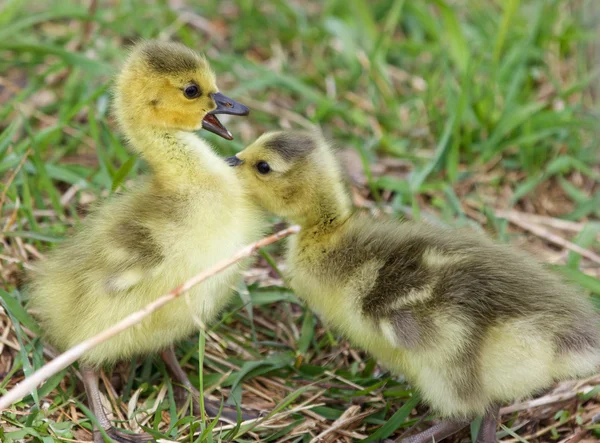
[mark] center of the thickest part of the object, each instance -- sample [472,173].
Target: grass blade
[394,422]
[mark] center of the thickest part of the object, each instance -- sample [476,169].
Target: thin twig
[553,222]
[577,437]
[545,400]
[68,357]
[541,431]
[552,238]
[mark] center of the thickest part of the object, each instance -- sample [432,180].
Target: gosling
[472,324]
[187,214]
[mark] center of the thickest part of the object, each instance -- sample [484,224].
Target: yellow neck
[177,159]
[325,202]
[328,210]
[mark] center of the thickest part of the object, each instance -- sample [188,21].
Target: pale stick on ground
[549,236]
[69,356]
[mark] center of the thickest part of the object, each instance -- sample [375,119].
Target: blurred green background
[466,112]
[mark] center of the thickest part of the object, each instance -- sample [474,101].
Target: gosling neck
[177,158]
[327,211]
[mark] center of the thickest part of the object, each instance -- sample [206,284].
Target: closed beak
[234,161]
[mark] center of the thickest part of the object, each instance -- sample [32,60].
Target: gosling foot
[437,432]
[228,414]
[487,430]
[122,437]
[90,380]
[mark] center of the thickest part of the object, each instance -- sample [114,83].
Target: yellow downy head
[294,174]
[167,86]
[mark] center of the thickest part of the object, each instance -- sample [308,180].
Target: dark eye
[263,167]
[192,91]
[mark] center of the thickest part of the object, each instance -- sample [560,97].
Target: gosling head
[294,175]
[168,86]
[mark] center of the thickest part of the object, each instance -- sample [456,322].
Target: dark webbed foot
[90,380]
[487,430]
[228,414]
[123,437]
[444,429]
[437,432]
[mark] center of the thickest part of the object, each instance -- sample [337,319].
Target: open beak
[234,161]
[225,105]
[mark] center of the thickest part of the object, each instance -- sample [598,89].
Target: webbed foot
[123,437]
[437,432]
[228,414]
[487,430]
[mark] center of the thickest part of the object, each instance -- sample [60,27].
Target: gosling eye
[263,167]
[192,91]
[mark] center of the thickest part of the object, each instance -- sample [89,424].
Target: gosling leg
[437,432]
[228,414]
[487,430]
[90,381]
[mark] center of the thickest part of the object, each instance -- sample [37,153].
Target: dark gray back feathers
[424,274]
[487,283]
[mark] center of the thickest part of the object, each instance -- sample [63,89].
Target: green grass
[451,112]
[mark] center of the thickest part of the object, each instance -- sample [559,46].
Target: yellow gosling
[471,323]
[186,214]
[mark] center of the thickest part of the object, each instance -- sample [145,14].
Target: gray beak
[233,161]
[225,105]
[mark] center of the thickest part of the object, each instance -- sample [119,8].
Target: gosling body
[188,213]
[471,323]
[140,245]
